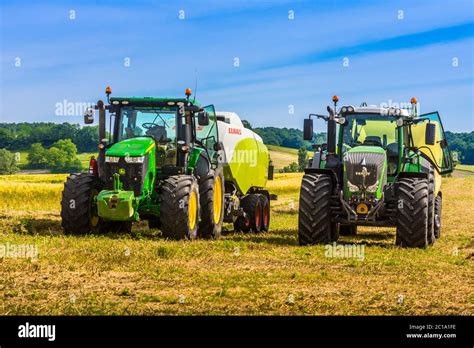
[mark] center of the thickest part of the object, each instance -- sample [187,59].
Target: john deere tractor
[380,167]
[163,160]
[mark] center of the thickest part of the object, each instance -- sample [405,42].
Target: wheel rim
[265,215]
[217,202]
[257,215]
[192,210]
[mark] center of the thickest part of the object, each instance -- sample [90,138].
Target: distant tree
[61,157]
[7,162]
[302,161]
[291,168]
[37,156]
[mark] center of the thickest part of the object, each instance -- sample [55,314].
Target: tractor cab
[172,127]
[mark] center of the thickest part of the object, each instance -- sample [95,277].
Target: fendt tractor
[380,167]
[174,163]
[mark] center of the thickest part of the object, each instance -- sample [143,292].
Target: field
[282,156]
[269,274]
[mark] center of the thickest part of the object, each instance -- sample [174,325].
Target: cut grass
[268,273]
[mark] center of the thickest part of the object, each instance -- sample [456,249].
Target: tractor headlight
[139,159]
[112,159]
[352,187]
[373,188]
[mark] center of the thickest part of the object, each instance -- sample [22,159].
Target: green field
[268,273]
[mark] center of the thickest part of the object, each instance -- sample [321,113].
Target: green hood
[131,147]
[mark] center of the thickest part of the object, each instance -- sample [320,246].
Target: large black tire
[177,192]
[211,196]
[314,217]
[265,219]
[437,212]
[252,206]
[347,230]
[78,211]
[431,201]
[412,222]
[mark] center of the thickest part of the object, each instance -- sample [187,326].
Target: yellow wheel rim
[217,203]
[192,210]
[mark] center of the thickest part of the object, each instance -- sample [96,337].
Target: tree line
[20,136]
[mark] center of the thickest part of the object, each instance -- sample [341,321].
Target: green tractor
[381,166]
[163,160]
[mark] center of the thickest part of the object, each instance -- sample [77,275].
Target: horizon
[271,62]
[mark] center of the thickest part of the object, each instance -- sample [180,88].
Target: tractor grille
[133,177]
[372,162]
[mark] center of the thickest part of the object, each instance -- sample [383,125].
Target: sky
[272,62]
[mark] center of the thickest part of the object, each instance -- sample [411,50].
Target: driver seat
[158,133]
[373,140]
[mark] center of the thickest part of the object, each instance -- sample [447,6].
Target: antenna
[195,84]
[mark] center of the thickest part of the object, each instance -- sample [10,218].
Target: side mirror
[308,129]
[89,116]
[203,118]
[430,134]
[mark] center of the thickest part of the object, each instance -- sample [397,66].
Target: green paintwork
[123,210]
[131,147]
[193,158]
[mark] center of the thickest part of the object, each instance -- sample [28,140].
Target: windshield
[158,123]
[370,129]
[373,130]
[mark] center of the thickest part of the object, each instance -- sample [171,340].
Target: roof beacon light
[188,92]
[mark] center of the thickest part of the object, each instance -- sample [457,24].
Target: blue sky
[283,62]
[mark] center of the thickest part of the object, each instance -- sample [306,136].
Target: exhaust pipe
[331,141]
[102,139]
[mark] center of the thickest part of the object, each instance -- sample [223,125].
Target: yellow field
[268,273]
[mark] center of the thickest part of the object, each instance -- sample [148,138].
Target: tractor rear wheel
[437,215]
[314,217]
[211,196]
[78,209]
[265,203]
[347,230]
[252,206]
[180,207]
[412,222]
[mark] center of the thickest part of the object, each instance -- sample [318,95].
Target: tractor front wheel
[180,209]
[78,207]
[314,217]
[412,222]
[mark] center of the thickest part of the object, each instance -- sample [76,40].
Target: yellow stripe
[150,147]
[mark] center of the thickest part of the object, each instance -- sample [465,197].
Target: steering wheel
[149,125]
